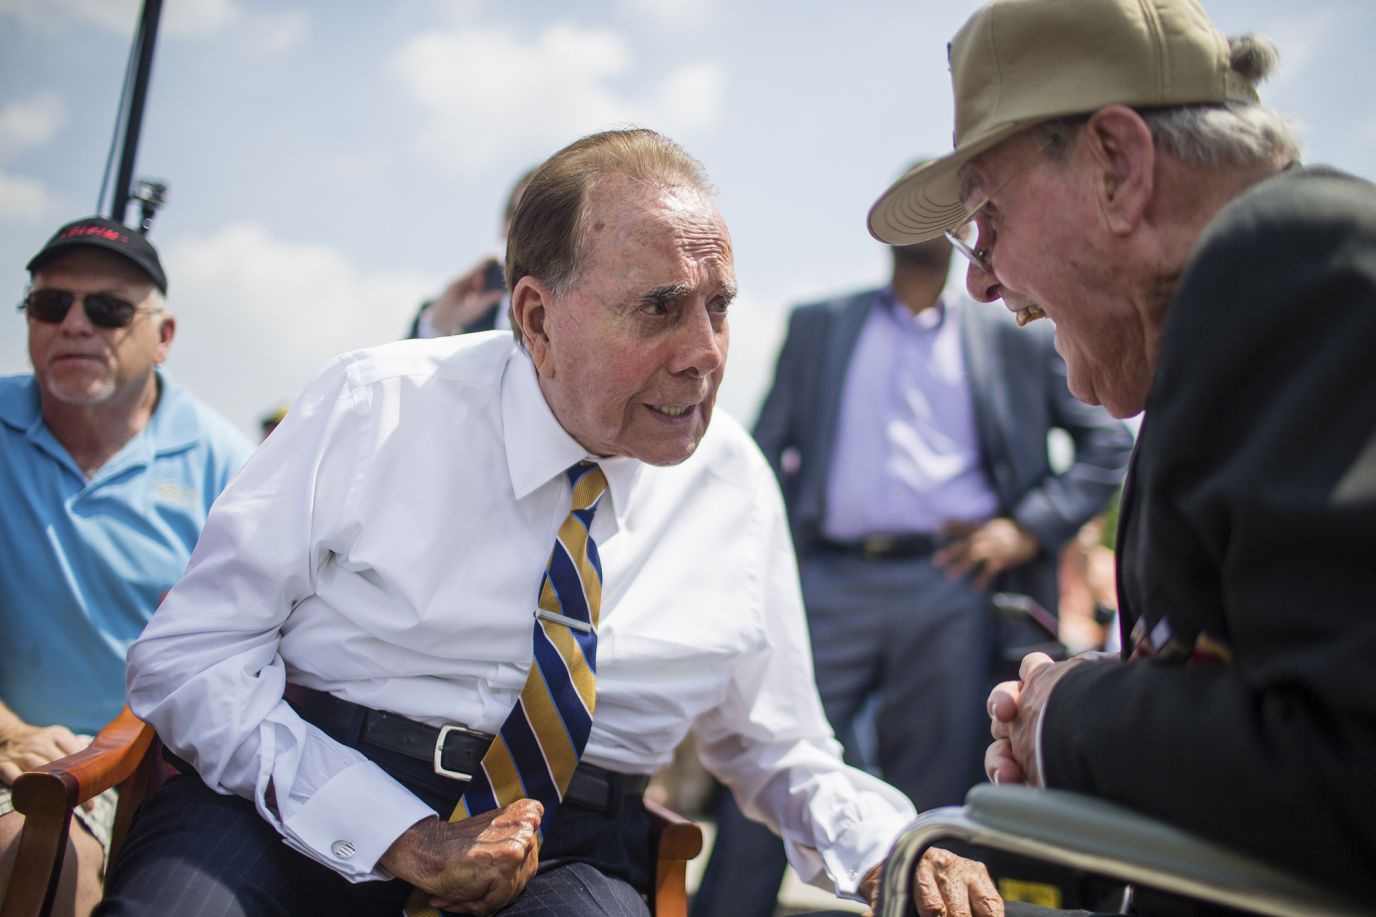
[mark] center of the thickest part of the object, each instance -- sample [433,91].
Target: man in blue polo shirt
[107,471]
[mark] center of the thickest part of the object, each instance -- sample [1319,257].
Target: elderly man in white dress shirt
[356,622]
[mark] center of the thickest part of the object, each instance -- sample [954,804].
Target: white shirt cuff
[1037,745]
[352,820]
[875,837]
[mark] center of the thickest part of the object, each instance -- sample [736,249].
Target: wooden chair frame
[119,756]
[125,754]
[676,840]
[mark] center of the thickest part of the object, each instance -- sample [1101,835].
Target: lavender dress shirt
[907,453]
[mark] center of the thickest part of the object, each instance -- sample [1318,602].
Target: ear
[166,331]
[530,302]
[1125,158]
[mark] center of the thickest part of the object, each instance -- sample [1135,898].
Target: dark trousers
[197,853]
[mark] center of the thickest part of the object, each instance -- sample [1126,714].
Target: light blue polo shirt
[84,563]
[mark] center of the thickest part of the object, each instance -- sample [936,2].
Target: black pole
[147,41]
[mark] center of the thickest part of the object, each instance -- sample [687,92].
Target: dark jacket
[1247,543]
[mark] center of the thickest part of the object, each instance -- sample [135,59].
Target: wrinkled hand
[1015,710]
[25,747]
[945,885]
[985,550]
[464,300]
[475,866]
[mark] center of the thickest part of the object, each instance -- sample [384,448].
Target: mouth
[672,410]
[64,357]
[1029,314]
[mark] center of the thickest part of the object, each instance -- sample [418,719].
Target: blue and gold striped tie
[537,749]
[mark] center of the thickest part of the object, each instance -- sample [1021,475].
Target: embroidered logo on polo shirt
[176,494]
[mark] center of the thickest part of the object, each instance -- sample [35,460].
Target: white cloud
[279,31]
[258,315]
[182,19]
[757,331]
[459,12]
[24,199]
[492,91]
[199,18]
[1304,39]
[693,94]
[677,14]
[30,123]
[56,16]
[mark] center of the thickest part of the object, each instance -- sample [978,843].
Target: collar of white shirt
[539,449]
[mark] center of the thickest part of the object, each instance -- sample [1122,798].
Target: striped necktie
[534,754]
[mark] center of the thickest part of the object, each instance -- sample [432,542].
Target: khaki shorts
[97,816]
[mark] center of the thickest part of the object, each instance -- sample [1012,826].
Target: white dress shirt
[386,545]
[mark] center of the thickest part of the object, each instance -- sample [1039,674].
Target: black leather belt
[884,547]
[453,750]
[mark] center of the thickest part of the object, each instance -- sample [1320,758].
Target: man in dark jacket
[1126,183]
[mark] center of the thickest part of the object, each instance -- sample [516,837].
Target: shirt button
[342,849]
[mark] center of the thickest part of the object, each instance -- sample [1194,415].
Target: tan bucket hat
[1016,63]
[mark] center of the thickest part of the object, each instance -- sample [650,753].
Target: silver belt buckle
[439,752]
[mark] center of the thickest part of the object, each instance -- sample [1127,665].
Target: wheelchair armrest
[1077,831]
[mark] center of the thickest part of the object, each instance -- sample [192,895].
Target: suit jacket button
[342,849]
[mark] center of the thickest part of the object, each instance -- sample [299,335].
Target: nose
[76,321]
[701,345]
[982,285]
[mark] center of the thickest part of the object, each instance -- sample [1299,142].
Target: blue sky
[330,164]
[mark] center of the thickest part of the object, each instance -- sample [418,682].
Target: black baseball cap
[98,232]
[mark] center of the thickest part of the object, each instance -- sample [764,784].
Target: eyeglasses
[982,257]
[105,311]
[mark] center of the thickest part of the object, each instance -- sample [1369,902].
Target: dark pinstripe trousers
[195,853]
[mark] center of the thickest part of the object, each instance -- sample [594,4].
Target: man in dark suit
[909,430]
[1127,183]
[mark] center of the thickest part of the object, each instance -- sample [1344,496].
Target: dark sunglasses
[104,310]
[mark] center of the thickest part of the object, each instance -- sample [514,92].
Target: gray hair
[1210,135]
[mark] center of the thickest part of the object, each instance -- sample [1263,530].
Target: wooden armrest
[676,840]
[119,756]
[108,761]
[676,837]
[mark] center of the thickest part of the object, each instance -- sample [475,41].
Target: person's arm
[207,672]
[466,299]
[769,742]
[24,746]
